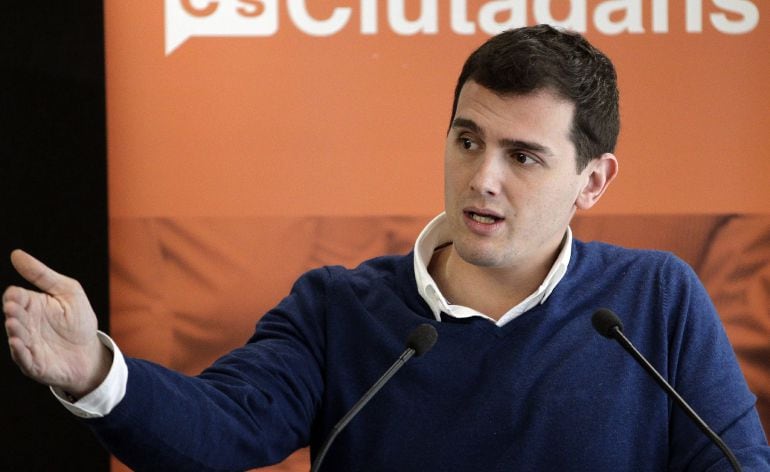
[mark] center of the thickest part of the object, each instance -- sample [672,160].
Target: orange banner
[299,107]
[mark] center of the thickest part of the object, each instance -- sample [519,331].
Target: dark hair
[528,59]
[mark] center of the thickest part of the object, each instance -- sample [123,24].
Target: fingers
[17,295]
[15,301]
[15,328]
[40,275]
[20,354]
[17,333]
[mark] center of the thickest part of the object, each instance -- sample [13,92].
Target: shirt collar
[436,234]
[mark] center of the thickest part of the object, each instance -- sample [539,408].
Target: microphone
[420,341]
[609,325]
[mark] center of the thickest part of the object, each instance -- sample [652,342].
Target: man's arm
[251,408]
[52,334]
[702,366]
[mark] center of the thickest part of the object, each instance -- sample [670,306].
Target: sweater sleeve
[704,370]
[252,407]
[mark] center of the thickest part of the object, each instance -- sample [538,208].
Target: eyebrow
[472,126]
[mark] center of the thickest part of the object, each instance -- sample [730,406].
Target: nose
[488,176]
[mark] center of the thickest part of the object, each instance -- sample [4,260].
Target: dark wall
[53,201]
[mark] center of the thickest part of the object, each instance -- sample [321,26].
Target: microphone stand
[618,335]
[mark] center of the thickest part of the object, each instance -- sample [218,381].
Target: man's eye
[525,159]
[466,143]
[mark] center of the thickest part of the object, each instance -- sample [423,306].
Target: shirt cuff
[107,395]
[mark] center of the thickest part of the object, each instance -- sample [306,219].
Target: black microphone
[608,325]
[420,341]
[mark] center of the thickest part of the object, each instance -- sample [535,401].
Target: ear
[599,173]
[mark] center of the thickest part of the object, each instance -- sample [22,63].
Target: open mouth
[482,218]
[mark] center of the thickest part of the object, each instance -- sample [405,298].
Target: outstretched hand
[52,333]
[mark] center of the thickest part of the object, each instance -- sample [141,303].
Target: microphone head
[422,339]
[605,322]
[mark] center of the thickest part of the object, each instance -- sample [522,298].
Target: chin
[480,257]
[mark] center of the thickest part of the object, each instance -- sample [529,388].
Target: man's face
[511,183]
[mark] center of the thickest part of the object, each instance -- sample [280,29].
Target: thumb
[40,275]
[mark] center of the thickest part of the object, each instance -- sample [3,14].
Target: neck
[492,291]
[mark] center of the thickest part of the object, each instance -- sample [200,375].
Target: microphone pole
[609,325]
[420,341]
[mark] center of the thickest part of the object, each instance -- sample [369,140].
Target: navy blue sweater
[544,392]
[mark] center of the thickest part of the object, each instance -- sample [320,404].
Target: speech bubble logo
[188,18]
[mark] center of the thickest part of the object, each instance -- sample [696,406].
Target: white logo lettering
[515,10]
[576,20]
[747,10]
[307,24]
[189,18]
[632,17]
[427,23]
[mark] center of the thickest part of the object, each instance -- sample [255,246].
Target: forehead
[540,113]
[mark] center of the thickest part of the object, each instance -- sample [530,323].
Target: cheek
[453,177]
[559,201]
[543,201]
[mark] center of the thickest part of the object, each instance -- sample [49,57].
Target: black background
[54,201]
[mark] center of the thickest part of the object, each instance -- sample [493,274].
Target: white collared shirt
[107,395]
[435,235]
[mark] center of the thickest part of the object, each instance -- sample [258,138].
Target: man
[518,379]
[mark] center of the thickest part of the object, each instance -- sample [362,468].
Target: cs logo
[188,18]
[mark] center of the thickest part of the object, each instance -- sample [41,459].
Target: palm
[52,334]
